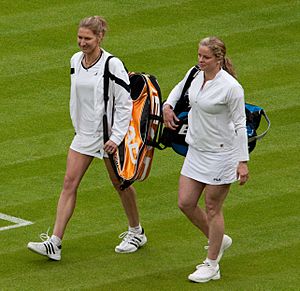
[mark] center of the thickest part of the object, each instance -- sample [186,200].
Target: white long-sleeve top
[119,105]
[217,120]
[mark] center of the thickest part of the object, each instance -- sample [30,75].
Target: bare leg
[214,199]
[189,193]
[127,196]
[77,165]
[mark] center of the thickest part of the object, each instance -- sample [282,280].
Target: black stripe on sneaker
[137,238]
[133,243]
[52,248]
[47,248]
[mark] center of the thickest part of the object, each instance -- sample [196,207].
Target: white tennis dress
[210,168]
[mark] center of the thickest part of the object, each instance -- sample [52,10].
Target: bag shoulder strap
[193,73]
[184,103]
[119,82]
[106,77]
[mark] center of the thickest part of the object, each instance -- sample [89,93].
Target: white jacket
[217,120]
[119,106]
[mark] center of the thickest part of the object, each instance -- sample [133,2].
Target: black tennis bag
[176,138]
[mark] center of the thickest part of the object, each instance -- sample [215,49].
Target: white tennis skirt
[88,145]
[212,168]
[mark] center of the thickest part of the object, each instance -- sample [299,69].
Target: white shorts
[210,167]
[88,145]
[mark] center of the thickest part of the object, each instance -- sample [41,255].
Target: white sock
[212,263]
[136,229]
[55,239]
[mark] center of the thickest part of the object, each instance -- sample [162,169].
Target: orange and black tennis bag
[133,159]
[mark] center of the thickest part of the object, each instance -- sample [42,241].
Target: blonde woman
[217,155]
[86,109]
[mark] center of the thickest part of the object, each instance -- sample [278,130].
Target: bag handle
[260,136]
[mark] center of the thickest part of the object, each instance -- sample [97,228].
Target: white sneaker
[46,248]
[205,273]
[131,242]
[226,243]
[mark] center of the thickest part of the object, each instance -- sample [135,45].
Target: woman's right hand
[110,147]
[169,116]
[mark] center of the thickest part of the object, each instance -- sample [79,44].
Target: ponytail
[228,67]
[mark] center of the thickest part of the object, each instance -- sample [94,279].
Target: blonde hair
[96,24]
[218,48]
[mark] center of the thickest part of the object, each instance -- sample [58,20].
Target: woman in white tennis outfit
[86,110]
[218,150]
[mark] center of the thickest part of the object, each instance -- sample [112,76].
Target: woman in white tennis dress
[86,110]
[218,150]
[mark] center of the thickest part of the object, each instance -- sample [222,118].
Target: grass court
[159,37]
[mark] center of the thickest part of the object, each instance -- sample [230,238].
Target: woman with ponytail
[218,151]
[87,110]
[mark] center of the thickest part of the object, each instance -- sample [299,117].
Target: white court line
[18,221]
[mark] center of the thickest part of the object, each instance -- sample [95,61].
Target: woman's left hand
[110,147]
[242,172]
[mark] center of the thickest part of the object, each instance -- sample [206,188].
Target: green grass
[159,37]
